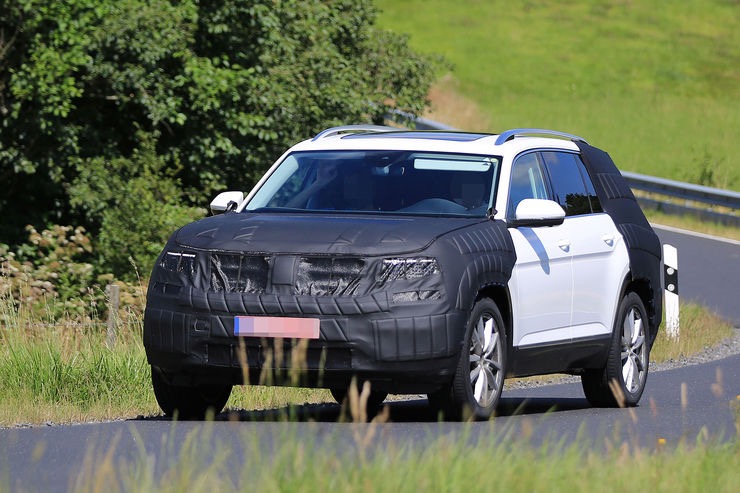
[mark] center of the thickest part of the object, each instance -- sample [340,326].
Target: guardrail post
[113,291]
[670,275]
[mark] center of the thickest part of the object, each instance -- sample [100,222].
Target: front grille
[326,276]
[234,273]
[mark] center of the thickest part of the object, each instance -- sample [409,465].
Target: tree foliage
[127,105]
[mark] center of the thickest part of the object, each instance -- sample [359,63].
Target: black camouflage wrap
[374,320]
[643,245]
[392,293]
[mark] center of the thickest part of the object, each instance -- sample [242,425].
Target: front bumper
[413,347]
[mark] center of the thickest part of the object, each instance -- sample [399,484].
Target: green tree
[146,192]
[216,89]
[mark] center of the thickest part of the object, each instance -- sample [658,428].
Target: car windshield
[380,182]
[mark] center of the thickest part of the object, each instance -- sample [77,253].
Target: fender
[489,255]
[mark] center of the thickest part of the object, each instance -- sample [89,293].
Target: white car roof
[436,141]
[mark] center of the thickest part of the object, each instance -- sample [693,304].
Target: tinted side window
[592,197]
[567,182]
[527,181]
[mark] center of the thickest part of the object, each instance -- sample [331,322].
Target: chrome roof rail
[353,129]
[522,132]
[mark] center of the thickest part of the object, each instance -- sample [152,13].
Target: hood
[316,233]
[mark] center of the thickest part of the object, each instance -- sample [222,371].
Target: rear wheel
[191,401]
[479,378]
[627,364]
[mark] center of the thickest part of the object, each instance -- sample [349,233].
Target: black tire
[339,394]
[374,401]
[440,401]
[479,379]
[628,360]
[188,402]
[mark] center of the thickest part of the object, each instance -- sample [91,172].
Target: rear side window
[592,197]
[568,182]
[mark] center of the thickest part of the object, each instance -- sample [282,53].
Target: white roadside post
[670,275]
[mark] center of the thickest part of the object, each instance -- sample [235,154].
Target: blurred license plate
[298,328]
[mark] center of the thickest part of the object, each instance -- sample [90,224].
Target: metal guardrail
[667,196]
[675,197]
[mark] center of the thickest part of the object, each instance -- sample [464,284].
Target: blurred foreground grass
[458,462]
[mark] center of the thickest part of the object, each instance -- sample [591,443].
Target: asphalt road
[708,271]
[684,403]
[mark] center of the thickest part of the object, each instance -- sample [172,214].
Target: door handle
[608,239]
[564,245]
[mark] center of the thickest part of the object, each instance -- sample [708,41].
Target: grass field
[694,224]
[657,85]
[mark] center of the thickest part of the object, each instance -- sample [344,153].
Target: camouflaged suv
[419,261]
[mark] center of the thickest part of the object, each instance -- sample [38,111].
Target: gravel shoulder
[728,347]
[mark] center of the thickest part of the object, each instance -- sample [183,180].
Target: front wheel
[479,378]
[189,402]
[627,364]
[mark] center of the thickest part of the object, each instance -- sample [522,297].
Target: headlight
[407,268]
[414,296]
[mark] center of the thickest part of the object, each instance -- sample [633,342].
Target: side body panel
[540,285]
[567,281]
[585,253]
[600,262]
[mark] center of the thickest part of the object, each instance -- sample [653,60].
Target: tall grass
[656,86]
[700,329]
[58,373]
[694,224]
[67,372]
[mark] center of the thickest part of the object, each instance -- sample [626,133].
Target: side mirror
[538,212]
[226,201]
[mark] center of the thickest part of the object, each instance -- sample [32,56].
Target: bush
[49,274]
[49,279]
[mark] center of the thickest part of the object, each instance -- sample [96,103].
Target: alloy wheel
[634,351]
[486,361]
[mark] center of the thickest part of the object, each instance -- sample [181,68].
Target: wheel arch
[500,295]
[644,289]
